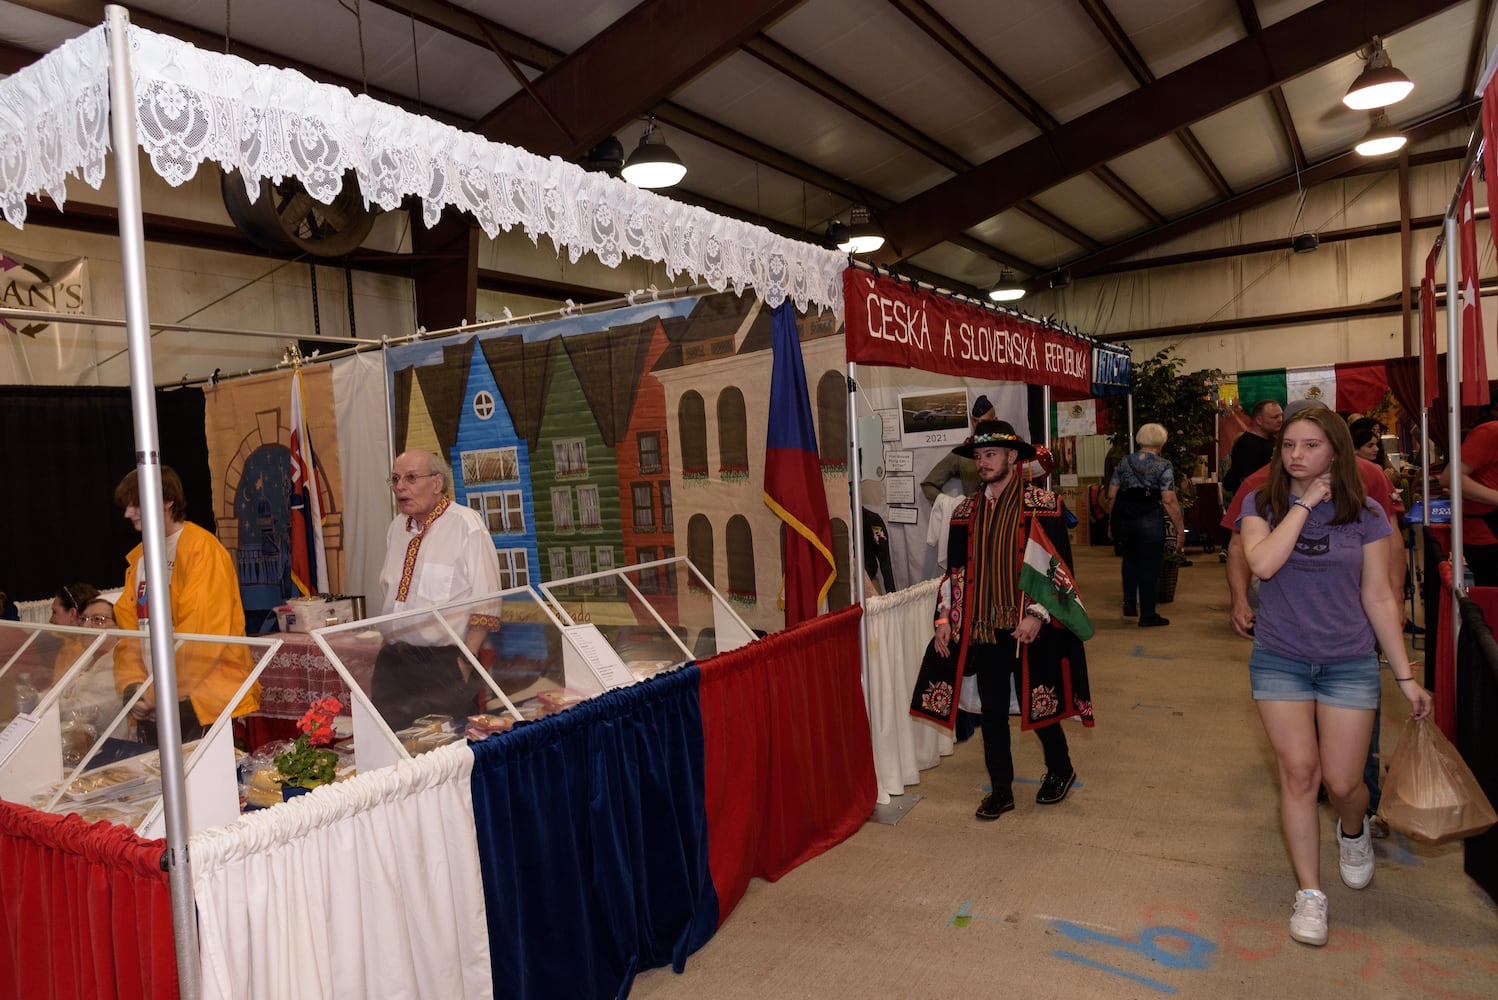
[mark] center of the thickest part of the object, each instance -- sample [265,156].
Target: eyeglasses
[97,621]
[410,478]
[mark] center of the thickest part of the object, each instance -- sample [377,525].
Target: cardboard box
[307,613]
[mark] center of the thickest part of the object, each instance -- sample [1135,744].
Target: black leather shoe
[1053,787]
[1153,621]
[993,806]
[1131,610]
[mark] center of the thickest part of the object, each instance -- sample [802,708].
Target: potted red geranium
[309,763]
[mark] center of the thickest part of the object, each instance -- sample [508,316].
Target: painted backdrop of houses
[597,442]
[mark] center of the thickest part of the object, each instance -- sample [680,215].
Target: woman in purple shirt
[1313,539]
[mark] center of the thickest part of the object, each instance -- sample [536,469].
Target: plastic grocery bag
[1430,794]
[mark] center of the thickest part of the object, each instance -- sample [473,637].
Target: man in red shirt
[1479,499]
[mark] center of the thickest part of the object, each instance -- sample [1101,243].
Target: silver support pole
[1454,414]
[1129,444]
[855,468]
[148,465]
[1045,427]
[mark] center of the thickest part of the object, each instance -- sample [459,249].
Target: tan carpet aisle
[1162,874]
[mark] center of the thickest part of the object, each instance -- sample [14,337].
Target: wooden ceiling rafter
[1118,40]
[571,91]
[1249,12]
[1337,166]
[1295,45]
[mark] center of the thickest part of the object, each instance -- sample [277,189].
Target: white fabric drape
[193,105]
[366,888]
[364,459]
[899,628]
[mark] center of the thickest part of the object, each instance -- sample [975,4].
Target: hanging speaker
[871,448]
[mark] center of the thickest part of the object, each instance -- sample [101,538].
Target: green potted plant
[309,763]
[1184,403]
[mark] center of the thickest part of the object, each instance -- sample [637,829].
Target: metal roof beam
[624,70]
[1289,48]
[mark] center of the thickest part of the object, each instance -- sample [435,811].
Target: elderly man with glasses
[436,552]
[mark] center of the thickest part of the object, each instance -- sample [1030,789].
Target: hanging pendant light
[1380,84]
[653,164]
[1382,138]
[860,234]
[1008,289]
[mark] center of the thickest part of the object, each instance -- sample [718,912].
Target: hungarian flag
[309,560]
[793,476]
[1474,357]
[1047,580]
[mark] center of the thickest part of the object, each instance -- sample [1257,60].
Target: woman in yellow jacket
[205,600]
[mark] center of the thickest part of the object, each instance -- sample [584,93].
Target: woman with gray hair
[1142,493]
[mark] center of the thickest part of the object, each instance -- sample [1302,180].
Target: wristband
[1301,503]
[1401,680]
[1039,613]
[941,621]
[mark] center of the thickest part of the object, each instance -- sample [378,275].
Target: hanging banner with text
[1112,370]
[37,351]
[890,323]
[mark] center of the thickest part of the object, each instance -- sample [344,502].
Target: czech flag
[793,476]
[309,560]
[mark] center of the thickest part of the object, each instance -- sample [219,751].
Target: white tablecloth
[899,628]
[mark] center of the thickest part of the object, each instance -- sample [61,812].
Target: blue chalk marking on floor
[1142,980]
[1158,708]
[1399,850]
[1140,654]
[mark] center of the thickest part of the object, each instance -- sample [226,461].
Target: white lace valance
[193,105]
[54,121]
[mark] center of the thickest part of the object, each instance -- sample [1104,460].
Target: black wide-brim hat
[995,434]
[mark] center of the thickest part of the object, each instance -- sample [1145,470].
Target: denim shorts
[1344,684]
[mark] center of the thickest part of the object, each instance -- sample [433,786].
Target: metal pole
[153,527]
[855,468]
[1454,416]
[1046,429]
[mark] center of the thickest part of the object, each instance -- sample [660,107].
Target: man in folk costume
[1011,606]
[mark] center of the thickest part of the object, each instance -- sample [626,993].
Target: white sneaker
[1308,922]
[1355,857]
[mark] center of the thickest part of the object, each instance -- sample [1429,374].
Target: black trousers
[411,681]
[993,665]
[1142,542]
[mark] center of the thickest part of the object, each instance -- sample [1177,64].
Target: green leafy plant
[308,764]
[1184,403]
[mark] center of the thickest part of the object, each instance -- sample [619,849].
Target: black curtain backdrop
[65,449]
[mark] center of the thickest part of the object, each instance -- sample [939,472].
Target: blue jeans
[1142,542]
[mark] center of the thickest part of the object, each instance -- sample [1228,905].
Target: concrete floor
[1163,872]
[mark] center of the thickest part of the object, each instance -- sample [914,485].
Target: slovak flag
[793,476]
[309,559]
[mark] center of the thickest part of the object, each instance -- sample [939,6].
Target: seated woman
[70,600]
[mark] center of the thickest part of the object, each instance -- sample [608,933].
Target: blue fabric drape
[592,838]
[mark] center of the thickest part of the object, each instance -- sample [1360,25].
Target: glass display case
[422,679]
[656,615]
[77,731]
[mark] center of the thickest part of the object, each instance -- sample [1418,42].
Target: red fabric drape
[1445,693]
[1428,331]
[788,760]
[1361,385]
[84,910]
[1474,356]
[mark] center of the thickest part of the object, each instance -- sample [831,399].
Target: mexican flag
[1047,580]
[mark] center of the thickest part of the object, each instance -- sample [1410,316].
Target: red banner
[890,323]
